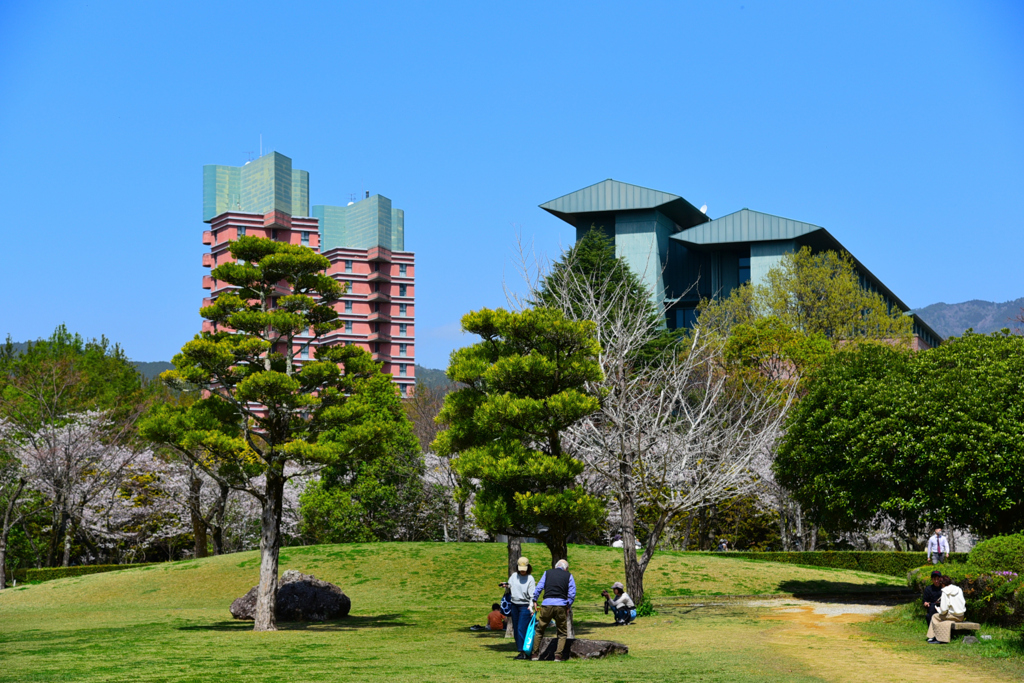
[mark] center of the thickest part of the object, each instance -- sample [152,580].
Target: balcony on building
[378,276]
[207,282]
[378,296]
[378,254]
[207,237]
[207,260]
[379,336]
[379,317]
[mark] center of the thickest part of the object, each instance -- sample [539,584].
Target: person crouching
[952,608]
[622,605]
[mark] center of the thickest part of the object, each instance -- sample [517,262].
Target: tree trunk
[5,533]
[514,553]
[3,557]
[195,487]
[270,547]
[460,521]
[218,519]
[634,572]
[68,537]
[689,528]
[559,548]
[32,544]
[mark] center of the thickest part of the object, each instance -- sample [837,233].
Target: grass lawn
[412,606]
[904,628]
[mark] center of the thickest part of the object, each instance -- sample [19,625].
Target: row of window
[403,269]
[403,350]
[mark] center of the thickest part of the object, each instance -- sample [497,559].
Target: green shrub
[877,562]
[51,573]
[1002,553]
[995,597]
[645,608]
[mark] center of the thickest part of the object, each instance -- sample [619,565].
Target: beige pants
[942,625]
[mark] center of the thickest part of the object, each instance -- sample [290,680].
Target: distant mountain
[150,370]
[433,379]
[952,320]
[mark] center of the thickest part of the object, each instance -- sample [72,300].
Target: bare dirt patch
[821,635]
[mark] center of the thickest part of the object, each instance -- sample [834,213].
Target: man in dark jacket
[932,595]
[559,588]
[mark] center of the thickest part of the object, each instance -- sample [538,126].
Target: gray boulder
[300,597]
[579,648]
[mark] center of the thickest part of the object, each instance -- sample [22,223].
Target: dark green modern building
[683,255]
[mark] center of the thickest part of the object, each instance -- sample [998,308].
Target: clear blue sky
[897,126]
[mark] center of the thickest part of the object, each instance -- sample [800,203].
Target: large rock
[300,597]
[579,648]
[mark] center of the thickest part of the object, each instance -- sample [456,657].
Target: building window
[304,353]
[402,308]
[273,233]
[401,349]
[402,289]
[305,238]
[348,266]
[241,231]
[744,270]
[348,306]
[402,269]
[348,326]
[402,330]
[401,369]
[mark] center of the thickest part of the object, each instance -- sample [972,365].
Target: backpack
[506,603]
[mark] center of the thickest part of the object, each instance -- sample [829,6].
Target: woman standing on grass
[521,584]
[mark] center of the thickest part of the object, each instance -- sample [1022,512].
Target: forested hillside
[981,316]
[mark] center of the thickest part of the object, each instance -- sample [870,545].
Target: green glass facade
[261,186]
[369,223]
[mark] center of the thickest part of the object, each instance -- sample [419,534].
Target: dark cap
[936,573]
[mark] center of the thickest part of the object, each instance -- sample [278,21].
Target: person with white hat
[521,585]
[622,605]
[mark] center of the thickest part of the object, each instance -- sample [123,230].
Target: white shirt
[937,544]
[522,588]
[623,601]
[953,601]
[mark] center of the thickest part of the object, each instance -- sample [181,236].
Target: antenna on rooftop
[704,209]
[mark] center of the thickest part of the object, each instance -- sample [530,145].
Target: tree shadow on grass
[842,591]
[349,623]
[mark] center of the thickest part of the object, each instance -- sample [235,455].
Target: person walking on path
[952,608]
[932,596]
[559,588]
[938,547]
[521,584]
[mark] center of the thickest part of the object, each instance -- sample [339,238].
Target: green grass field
[412,604]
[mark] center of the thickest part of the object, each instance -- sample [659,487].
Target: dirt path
[822,636]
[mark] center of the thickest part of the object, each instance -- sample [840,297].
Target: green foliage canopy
[814,293]
[928,437]
[524,383]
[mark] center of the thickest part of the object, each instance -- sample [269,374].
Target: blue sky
[897,126]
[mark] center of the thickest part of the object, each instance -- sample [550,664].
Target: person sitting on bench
[952,608]
[621,604]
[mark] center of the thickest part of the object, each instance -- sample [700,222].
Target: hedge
[994,597]
[48,574]
[877,562]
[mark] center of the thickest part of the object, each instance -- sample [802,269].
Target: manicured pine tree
[272,418]
[523,384]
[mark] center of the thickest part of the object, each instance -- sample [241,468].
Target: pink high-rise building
[364,241]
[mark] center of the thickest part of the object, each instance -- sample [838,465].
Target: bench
[965,626]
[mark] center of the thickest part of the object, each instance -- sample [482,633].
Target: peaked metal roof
[745,226]
[611,195]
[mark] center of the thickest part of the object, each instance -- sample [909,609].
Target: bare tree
[674,433]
